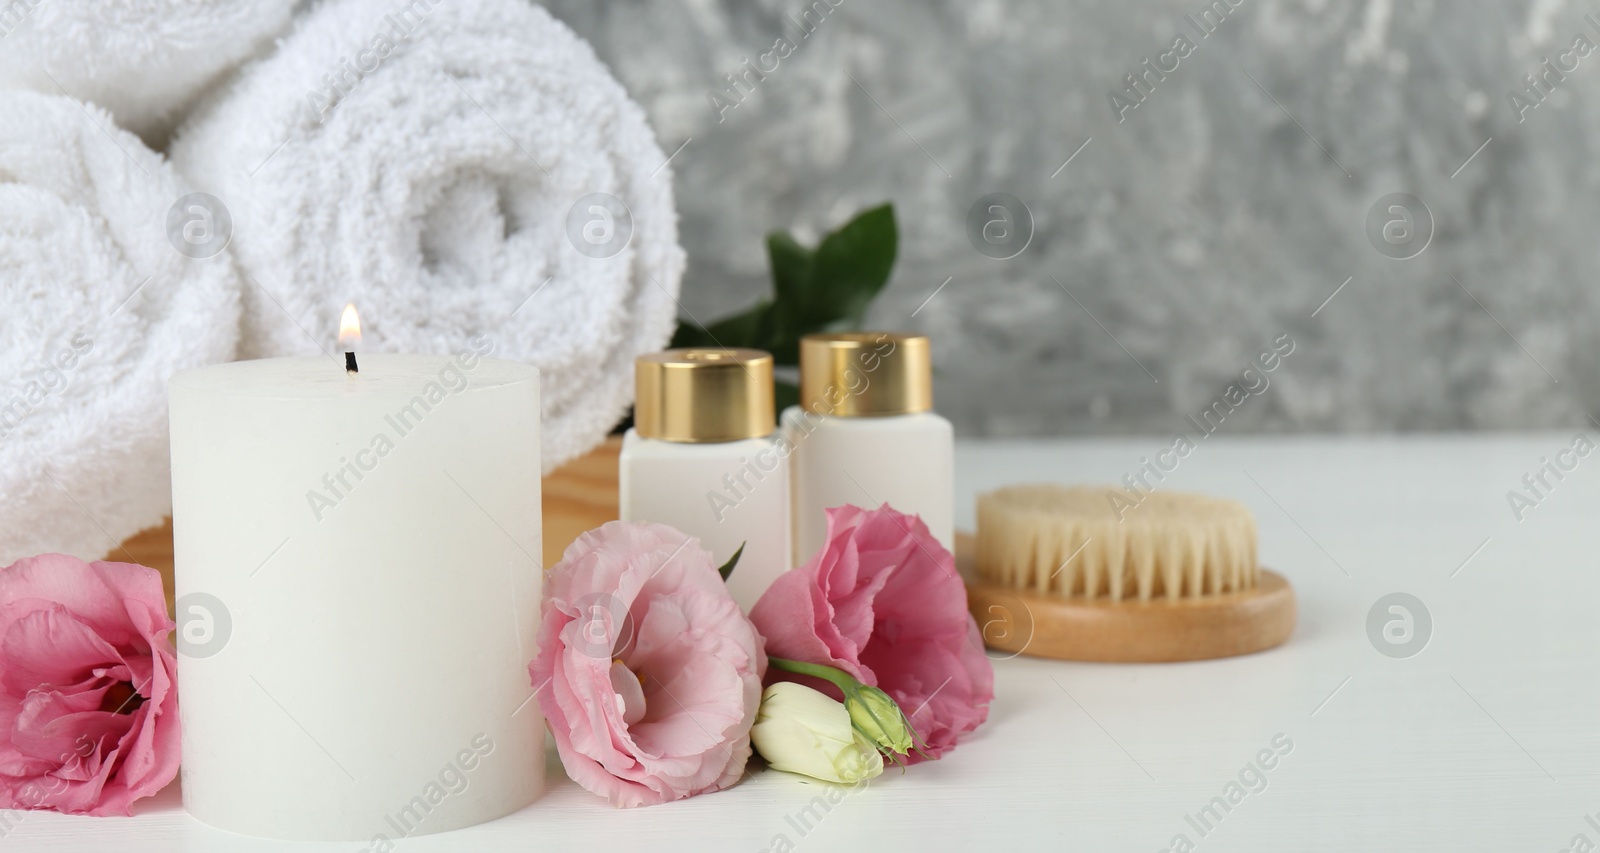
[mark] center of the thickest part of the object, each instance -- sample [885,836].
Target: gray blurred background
[1247,186]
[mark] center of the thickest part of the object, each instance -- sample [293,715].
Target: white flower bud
[803,731]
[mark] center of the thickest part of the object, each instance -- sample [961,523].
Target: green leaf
[727,568]
[791,279]
[689,334]
[850,267]
[743,330]
[740,330]
[830,287]
[791,267]
[825,289]
[784,395]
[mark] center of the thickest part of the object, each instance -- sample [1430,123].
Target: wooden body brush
[1084,573]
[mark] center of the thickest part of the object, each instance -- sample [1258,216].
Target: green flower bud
[878,717]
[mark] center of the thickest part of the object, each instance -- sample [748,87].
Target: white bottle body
[905,461]
[724,493]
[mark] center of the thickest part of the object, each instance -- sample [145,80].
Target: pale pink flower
[882,601]
[647,671]
[88,708]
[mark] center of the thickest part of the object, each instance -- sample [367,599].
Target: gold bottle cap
[865,374]
[695,395]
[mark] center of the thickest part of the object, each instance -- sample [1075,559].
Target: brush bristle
[1093,541]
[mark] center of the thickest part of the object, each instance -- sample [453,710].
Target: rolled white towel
[141,59]
[438,164]
[99,308]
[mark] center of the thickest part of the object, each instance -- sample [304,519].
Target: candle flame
[349,328]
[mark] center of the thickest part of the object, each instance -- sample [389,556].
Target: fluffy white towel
[141,59]
[435,162]
[98,308]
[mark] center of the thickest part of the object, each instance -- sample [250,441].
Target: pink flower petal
[122,601]
[51,647]
[75,639]
[882,601]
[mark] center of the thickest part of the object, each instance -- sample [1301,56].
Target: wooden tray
[1047,626]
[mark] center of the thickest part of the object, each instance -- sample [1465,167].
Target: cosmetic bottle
[865,433]
[704,456]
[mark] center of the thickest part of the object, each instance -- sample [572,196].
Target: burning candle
[349,336]
[357,592]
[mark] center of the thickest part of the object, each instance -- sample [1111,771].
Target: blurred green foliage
[822,289]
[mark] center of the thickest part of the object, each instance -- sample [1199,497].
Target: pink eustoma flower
[647,672]
[88,708]
[882,601]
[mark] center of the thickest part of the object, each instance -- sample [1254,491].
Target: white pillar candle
[358,593]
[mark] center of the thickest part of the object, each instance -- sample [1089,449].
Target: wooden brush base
[1048,626]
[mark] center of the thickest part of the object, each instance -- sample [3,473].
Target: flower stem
[837,677]
[890,730]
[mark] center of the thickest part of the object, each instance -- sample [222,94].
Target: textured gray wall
[1216,216]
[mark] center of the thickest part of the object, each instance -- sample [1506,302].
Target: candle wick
[350,363]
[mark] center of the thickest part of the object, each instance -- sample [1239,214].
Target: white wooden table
[1488,739]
